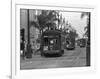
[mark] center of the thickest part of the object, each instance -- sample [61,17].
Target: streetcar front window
[46,41]
[51,42]
[45,48]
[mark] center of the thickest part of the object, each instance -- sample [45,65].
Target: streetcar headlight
[45,47]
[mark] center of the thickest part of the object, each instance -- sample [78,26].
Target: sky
[74,18]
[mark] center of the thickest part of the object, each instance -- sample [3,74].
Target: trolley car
[70,41]
[51,43]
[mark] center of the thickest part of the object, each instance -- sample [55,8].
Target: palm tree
[87,28]
[46,19]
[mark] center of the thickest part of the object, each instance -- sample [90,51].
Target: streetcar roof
[52,32]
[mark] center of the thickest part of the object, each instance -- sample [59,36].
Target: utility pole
[88,42]
[58,20]
[61,20]
[29,49]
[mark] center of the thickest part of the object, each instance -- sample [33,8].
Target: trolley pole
[29,50]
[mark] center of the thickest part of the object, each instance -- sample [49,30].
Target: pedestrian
[22,47]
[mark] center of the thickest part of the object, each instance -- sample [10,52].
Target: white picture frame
[15,62]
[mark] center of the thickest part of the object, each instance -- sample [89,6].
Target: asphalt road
[71,58]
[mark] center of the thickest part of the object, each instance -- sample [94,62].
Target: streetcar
[70,41]
[51,43]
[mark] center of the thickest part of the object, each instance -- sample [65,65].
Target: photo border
[17,73]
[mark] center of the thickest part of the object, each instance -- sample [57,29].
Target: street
[71,58]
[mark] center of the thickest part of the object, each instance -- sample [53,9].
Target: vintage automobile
[82,42]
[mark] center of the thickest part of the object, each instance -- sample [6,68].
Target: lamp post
[29,49]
